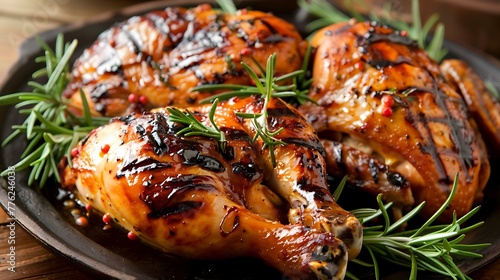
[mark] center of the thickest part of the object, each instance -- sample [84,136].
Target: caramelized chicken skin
[386,96]
[189,196]
[484,107]
[155,60]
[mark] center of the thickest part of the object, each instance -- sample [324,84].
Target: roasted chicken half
[156,59]
[194,197]
[388,116]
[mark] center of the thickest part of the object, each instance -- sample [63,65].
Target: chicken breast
[379,93]
[156,59]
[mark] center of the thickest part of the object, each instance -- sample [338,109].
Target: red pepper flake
[75,152]
[82,221]
[387,100]
[359,65]
[246,51]
[105,149]
[132,98]
[106,218]
[403,33]
[132,236]
[387,111]
[88,207]
[143,99]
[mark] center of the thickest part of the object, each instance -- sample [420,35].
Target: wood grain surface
[20,19]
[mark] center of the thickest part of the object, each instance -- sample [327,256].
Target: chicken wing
[156,59]
[193,197]
[386,96]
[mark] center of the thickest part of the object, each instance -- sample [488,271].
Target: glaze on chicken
[156,59]
[420,135]
[193,197]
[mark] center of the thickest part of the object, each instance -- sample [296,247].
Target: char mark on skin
[194,157]
[177,208]
[383,63]
[162,197]
[159,23]
[396,179]
[430,148]
[281,111]
[313,144]
[140,165]
[160,130]
[235,134]
[320,193]
[365,41]
[246,170]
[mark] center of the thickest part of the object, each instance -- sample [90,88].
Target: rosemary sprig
[196,128]
[295,90]
[50,128]
[259,121]
[328,14]
[430,247]
[227,6]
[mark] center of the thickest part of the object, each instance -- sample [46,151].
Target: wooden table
[19,19]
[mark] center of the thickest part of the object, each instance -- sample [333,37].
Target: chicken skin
[156,59]
[381,95]
[194,197]
[482,105]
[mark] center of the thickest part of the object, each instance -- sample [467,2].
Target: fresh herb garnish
[295,92]
[50,128]
[195,127]
[329,14]
[227,6]
[429,247]
[259,121]
[268,88]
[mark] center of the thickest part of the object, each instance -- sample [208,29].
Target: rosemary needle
[328,14]
[429,247]
[50,128]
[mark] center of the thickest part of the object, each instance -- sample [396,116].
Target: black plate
[109,253]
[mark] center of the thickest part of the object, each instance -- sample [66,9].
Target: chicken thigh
[192,196]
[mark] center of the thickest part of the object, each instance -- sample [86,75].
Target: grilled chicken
[156,59]
[194,197]
[383,96]
[482,105]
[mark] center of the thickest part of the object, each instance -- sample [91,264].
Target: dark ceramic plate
[110,254]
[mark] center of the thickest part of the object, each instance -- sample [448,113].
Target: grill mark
[311,144]
[430,148]
[281,111]
[162,196]
[178,208]
[275,37]
[371,37]
[233,134]
[320,193]
[194,157]
[139,165]
[383,63]
[247,170]
[159,132]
